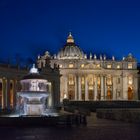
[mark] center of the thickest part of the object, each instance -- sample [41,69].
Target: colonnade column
[102,87]
[125,88]
[76,87]
[15,93]
[105,88]
[114,88]
[86,89]
[66,86]
[4,93]
[95,89]
[8,93]
[79,88]
[135,97]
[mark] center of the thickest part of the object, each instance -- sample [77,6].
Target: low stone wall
[74,109]
[93,105]
[128,115]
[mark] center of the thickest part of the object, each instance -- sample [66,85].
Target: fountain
[31,100]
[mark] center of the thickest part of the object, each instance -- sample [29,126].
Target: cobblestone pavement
[96,129]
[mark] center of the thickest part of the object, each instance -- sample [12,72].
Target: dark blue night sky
[30,27]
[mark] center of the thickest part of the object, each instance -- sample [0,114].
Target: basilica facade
[95,77]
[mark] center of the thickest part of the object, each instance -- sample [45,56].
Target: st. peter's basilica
[74,75]
[94,77]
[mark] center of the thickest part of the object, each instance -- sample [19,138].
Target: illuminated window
[129,65]
[71,80]
[108,66]
[98,81]
[109,81]
[98,65]
[130,80]
[90,81]
[60,66]
[71,65]
[118,67]
[82,66]
[82,80]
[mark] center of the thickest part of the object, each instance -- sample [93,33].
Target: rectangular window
[118,67]
[130,66]
[130,80]
[98,65]
[71,65]
[82,66]
[109,81]
[71,80]
[109,66]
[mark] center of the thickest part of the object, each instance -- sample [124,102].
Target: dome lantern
[70,38]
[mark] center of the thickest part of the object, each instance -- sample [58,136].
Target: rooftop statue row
[72,51]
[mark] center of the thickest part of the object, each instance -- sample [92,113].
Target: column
[135,83]
[102,88]
[86,89]
[66,86]
[14,93]
[95,89]
[76,82]
[105,88]
[114,88]
[79,88]
[125,88]
[4,92]
[49,99]
[61,81]
[8,93]
[2,98]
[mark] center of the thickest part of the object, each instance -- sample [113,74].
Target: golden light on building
[109,81]
[71,80]
[109,66]
[98,65]
[82,65]
[118,66]
[130,66]
[60,66]
[71,65]
[130,80]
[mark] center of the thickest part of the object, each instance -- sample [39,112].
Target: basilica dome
[70,50]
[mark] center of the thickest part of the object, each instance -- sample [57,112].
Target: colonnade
[101,90]
[8,88]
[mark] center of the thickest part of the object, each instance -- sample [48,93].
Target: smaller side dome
[130,58]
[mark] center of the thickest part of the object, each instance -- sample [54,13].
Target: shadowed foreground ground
[96,129]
